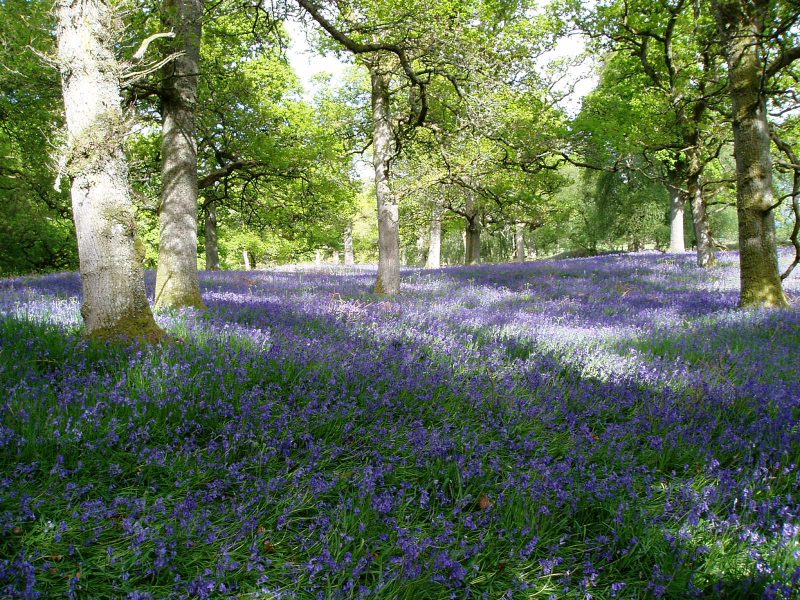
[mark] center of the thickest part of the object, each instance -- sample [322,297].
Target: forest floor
[591,428]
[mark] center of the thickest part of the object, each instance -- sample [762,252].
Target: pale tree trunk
[177,282]
[318,258]
[246,257]
[388,281]
[758,253]
[114,299]
[422,249]
[677,202]
[434,260]
[349,254]
[519,242]
[212,245]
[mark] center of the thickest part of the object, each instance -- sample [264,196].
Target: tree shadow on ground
[347,406]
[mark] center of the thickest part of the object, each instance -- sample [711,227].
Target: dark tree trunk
[472,231]
[741,26]
[388,281]
[212,247]
[177,282]
[472,241]
[112,274]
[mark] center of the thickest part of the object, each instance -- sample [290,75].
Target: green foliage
[36,233]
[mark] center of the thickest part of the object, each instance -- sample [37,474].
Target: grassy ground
[589,428]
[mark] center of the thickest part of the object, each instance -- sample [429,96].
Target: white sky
[307,63]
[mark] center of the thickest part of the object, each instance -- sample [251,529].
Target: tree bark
[434,260]
[472,241]
[212,245]
[706,257]
[349,254]
[388,281]
[177,281]
[421,256]
[472,231]
[677,201]
[112,275]
[741,28]
[246,257]
[519,242]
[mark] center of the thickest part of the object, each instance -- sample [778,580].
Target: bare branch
[139,54]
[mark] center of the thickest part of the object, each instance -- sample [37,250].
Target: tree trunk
[472,232]
[114,299]
[706,256]
[758,253]
[212,246]
[519,242]
[434,260]
[318,258]
[677,201]
[472,242]
[349,254]
[246,257]
[388,281]
[177,282]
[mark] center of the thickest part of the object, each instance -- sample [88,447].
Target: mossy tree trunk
[388,281]
[114,300]
[177,282]
[741,27]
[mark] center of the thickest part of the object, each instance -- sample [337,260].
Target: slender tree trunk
[706,257]
[434,260]
[318,258]
[177,282]
[349,254]
[519,242]
[212,245]
[741,29]
[114,299]
[246,257]
[422,249]
[388,281]
[677,201]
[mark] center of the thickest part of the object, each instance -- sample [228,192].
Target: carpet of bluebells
[590,428]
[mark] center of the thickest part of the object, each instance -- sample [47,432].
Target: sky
[307,63]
